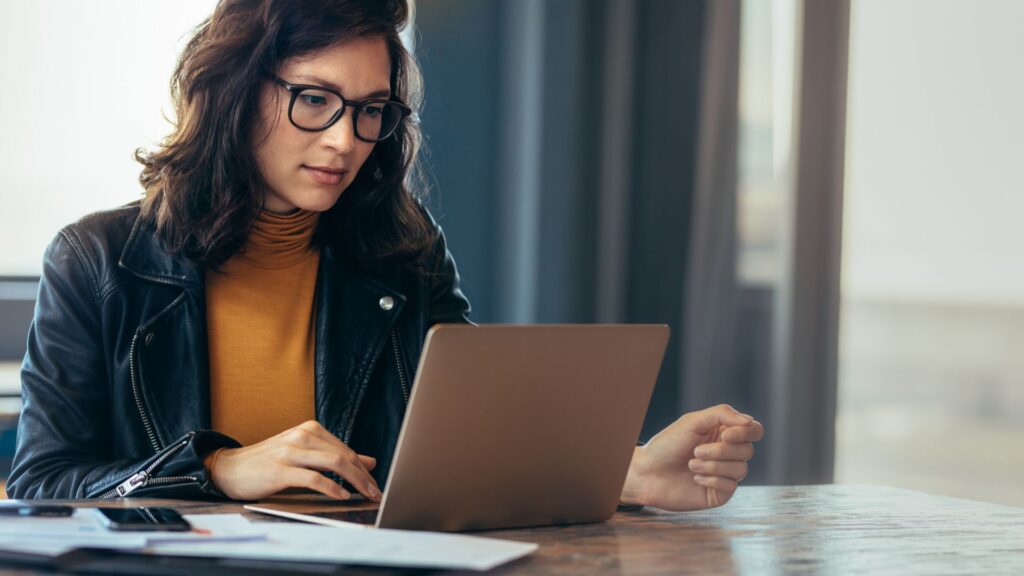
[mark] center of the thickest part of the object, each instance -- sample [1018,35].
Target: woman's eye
[313,99]
[373,111]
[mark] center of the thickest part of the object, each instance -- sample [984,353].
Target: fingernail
[374,493]
[700,479]
[747,416]
[694,464]
[700,452]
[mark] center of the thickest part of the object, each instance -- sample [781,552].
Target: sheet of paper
[53,547]
[310,543]
[211,528]
[80,524]
[53,536]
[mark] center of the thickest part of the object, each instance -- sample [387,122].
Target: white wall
[83,85]
[935,165]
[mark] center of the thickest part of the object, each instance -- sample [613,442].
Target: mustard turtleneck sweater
[260,319]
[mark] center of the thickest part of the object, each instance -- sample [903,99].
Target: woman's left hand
[695,463]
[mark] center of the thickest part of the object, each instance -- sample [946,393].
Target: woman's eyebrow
[382,93]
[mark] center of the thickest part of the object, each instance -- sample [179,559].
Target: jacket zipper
[346,438]
[137,393]
[401,369]
[143,477]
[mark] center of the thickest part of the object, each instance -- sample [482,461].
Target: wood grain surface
[833,529]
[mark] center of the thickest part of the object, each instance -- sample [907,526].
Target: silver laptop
[516,425]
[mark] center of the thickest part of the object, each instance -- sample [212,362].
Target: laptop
[511,426]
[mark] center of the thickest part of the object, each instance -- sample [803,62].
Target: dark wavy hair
[203,189]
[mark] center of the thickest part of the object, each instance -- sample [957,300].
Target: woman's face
[310,170]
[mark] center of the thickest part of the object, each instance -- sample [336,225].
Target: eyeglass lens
[375,119]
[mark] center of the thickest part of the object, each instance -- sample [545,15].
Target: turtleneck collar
[280,240]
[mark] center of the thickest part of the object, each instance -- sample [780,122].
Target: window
[84,85]
[931,383]
[767,59]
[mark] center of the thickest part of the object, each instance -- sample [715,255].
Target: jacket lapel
[170,343]
[354,316]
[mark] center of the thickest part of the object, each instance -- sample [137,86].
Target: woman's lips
[325,177]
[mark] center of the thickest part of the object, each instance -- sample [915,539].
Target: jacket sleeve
[63,436]
[447,302]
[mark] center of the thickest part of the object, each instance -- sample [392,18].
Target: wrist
[633,492]
[210,461]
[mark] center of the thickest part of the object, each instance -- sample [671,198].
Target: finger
[726,486]
[725,451]
[359,477]
[305,478]
[313,436]
[366,462]
[316,429]
[752,432]
[703,421]
[733,470]
[348,466]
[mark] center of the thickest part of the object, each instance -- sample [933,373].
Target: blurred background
[820,198]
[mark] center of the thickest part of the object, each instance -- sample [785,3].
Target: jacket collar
[145,256]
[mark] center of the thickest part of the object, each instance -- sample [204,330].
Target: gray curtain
[771,347]
[710,346]
[563,140]
[805,341]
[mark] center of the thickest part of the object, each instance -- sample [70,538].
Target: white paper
[52,547]
[82,523]
[267,541]
[310,543]
[211,528]
[51,536]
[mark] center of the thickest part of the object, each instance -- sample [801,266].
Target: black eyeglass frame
[357,105]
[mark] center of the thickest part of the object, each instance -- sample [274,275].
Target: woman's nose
[341,136]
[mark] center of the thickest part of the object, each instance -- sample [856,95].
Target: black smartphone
[22,508]
[143,519]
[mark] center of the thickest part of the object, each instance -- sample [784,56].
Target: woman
[253,323]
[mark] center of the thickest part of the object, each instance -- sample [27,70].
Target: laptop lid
[521,425]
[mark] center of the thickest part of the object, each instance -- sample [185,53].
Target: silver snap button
[387,303]
[149,339]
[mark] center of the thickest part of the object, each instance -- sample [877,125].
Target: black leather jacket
[115,383]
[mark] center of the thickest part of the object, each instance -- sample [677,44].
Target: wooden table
[836,529]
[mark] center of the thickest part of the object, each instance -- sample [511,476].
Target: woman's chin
[316,200]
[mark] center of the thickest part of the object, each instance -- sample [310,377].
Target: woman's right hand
[294,458]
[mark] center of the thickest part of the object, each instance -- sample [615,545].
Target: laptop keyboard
[355,516]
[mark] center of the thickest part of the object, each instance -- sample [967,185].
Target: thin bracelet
[213,461]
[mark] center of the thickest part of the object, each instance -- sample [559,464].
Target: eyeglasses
[315,108]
